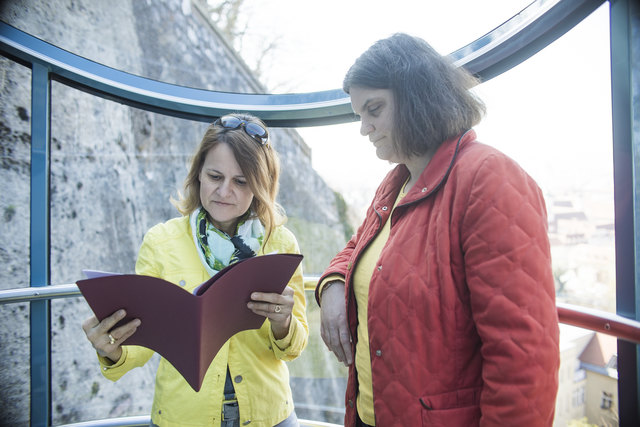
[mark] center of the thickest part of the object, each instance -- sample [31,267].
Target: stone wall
[113,170]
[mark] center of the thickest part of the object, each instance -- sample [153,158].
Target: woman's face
[224,191]
[376,110]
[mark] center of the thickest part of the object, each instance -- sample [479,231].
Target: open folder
[188,328]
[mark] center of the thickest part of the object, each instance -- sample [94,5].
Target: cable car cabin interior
[43,82]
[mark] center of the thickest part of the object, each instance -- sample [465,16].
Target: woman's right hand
[105,340]
[333,321]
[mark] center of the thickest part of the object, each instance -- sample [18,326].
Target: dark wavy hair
[432,96]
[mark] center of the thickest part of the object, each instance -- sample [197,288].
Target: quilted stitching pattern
[462,312]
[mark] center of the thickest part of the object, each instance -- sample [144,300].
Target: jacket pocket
[452,409]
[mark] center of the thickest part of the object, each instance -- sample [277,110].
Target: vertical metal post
[625,75]
[39,246]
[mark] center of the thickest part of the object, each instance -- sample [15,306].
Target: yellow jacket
[255,358]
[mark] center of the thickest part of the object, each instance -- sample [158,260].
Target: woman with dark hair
[443,302]
[229,213]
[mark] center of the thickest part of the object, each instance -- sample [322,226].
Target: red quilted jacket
[462,318]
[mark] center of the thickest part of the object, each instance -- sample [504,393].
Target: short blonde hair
[259,164]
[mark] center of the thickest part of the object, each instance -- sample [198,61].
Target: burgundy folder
[188,328]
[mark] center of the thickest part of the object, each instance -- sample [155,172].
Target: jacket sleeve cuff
[111,370]
[133,356]
[289,347]
[285,342]
[323,282]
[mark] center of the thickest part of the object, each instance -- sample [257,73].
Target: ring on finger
[112,340]
[277,309]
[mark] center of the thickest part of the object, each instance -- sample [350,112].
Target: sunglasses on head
[255,130]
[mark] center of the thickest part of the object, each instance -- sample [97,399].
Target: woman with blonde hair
[229,213]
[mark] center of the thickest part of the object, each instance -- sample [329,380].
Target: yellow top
[361,279]
[256,359]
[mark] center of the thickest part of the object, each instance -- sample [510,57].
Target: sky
[552,113]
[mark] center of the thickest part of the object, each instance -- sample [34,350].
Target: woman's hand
[275,307]
[105,340]
[333,321]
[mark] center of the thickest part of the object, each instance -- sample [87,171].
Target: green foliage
[319,243]
[95,388]
[343,215]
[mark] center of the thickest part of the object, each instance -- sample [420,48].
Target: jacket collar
[432,177]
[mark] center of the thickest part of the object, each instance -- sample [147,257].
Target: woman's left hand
[275,307]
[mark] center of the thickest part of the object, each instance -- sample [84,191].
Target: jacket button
[182,283]
[384,208]
[379,268]
[238,379]
[246,423]
[378,352]
[349,266]
[351,403]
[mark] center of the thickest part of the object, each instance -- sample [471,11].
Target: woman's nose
[365,128]
[224,189]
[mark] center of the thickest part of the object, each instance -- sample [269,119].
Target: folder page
[189,329]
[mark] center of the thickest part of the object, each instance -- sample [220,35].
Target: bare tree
[234,22]
[225,14]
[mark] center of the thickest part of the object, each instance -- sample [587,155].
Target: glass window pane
[15,214]
[552,114]
[314,43]
[113,171]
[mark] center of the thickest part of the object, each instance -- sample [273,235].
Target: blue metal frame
[499,50]
[492,54]
[280,110]
[522,36]
[625,21]
[39,245]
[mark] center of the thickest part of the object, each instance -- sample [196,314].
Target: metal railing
[592,319]
[570,314]
[145,421]
[496,52]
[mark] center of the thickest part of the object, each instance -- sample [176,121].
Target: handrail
[584,317]
[145,420]
[599,321]
[38,293]
[525,34]
[133,421]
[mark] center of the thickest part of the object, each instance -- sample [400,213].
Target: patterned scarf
[216,249]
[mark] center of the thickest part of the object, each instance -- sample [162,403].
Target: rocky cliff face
[113,170]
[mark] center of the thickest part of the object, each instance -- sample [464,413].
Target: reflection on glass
[15,157]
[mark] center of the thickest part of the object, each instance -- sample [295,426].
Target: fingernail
[254,295]
[121,313]
[137,322]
